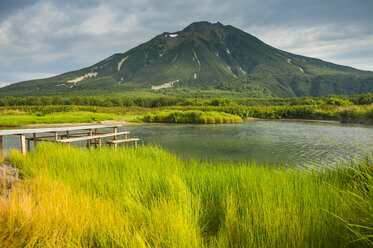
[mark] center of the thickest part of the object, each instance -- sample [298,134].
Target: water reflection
[290,142]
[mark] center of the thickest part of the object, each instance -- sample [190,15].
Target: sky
[43,38]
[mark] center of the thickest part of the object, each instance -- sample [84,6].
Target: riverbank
[27,115]
[149,197]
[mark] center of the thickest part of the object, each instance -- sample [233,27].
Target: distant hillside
[205,58]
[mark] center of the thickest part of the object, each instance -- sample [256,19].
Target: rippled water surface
[290,142]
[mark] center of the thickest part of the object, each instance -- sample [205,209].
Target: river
[296,143]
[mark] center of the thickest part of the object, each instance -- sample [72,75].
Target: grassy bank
[53,114]
[192,116]
[72,197]
[16,118]
[352,114]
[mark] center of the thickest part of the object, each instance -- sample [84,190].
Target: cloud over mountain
[50,37]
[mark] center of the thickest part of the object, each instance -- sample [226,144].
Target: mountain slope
[209,57]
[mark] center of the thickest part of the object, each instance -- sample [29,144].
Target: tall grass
[192,116]
[147,197]
[361,189]
[354,113]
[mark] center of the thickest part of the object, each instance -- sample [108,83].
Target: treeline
[156,102]
[338,100]
[145,102]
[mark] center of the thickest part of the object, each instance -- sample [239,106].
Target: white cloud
[51,37]
[3,84]
[347,45]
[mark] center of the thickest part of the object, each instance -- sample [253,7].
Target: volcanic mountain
[204,57]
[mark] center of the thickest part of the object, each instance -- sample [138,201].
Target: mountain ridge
[205,56]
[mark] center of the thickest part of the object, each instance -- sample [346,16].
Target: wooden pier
[67,135]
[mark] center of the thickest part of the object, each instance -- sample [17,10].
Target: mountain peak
[202,25]
[208,56]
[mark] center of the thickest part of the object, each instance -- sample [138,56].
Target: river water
[301,143]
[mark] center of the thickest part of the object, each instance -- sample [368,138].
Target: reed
[192,116]
[148,197]
[18,115]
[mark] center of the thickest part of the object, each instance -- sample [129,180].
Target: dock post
[89,141]
[23,144]
[1,145]
[55,136]
[115,137]
[35,141]
[28,144]
[96,141]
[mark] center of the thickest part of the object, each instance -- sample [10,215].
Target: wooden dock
[67,135]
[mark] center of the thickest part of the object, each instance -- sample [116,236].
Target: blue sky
[42,38]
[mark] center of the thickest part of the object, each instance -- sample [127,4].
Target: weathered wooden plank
[90,137]
[122,140]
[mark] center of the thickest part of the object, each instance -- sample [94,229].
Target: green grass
[192,116]
[19,115]
[15,118]
[352,114]
[147,197]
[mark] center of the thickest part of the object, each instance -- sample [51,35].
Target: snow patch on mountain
[166,85]
[121,62]
[78,79]
[199,63]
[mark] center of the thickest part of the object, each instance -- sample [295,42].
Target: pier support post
[1,145]
[28,145]
[90,133]
[96,141]
[23,144]
[115,137]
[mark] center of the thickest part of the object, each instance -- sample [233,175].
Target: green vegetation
[355,114]
[18,115]
[192,116]
[147,197]
[15,118]
[165,101]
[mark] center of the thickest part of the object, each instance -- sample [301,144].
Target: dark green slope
[209,57]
